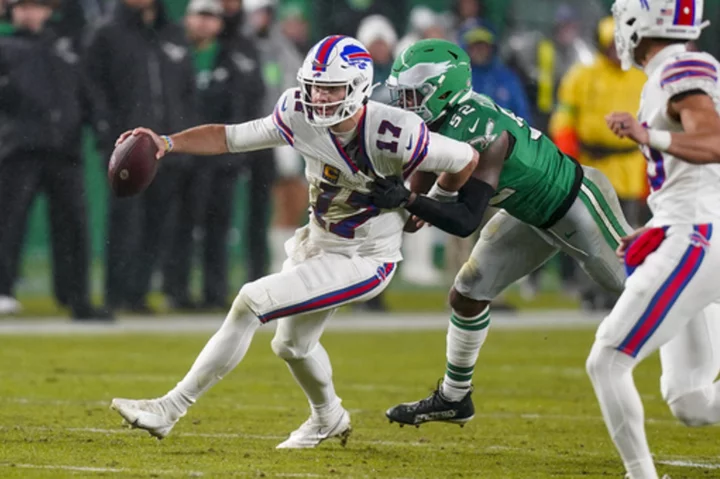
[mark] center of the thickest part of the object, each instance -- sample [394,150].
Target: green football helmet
[430,77]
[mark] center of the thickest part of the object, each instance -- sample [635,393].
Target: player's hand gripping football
[624,125]
[159,142]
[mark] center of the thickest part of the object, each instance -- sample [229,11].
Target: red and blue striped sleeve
[419,150]
[689,74]
[281,117]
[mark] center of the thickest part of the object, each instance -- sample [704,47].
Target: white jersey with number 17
[388,141]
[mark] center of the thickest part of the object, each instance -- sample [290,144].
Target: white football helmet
[638,19]
[336,60]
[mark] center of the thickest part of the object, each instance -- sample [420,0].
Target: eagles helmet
[336,60]
[429,77]
[669,19]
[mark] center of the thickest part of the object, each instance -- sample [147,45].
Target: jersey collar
[363,159]
[663,55]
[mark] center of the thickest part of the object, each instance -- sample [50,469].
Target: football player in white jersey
[347,252]
[673,263]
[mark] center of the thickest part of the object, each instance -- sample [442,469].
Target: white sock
[611,374]
[641,469]
[220,355]
[278,237]
[465,337]
[314,375]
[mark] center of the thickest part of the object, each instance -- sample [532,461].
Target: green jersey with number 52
[536,179]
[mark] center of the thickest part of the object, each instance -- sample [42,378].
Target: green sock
[465,337]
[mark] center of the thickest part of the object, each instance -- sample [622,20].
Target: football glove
[389,193]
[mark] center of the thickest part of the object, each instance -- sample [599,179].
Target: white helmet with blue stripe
[670,19]
[336,60]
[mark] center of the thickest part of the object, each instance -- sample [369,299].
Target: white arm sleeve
[446,154]
[253,135]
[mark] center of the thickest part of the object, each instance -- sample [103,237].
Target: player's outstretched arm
[699,143]
[213,139]
[200,140]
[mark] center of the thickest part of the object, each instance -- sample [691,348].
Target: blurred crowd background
[74,74]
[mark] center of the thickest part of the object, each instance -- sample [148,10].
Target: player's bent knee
[691,409]
[253,298]
[605,361]
[465,306]
[241,303]
[594,362]
[598,362]
[286,349]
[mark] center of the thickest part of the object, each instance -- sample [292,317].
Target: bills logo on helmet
[356,56]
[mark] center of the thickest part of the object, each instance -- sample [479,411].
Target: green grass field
[536,413]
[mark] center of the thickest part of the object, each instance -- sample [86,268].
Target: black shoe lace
[433,400]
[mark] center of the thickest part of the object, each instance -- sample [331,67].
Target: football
[132,165]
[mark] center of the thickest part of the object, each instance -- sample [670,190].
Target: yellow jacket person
[589,92]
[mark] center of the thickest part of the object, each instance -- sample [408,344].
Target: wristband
[659,139]
[168,142]
[442,195]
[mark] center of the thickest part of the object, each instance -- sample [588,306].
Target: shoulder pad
[689,71]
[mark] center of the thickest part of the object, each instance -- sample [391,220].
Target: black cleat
[433,408]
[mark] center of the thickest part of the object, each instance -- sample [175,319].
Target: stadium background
[532,15]
[536,414]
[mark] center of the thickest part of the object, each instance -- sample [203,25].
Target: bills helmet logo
[356,56]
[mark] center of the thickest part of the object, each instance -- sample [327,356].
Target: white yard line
[351,322]
[52,402]
[262,437]
[116,470]
[151,472]
[698,465]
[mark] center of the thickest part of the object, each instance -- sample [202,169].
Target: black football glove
[389,193]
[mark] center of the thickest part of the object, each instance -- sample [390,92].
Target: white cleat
[312,433]
[148,414]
